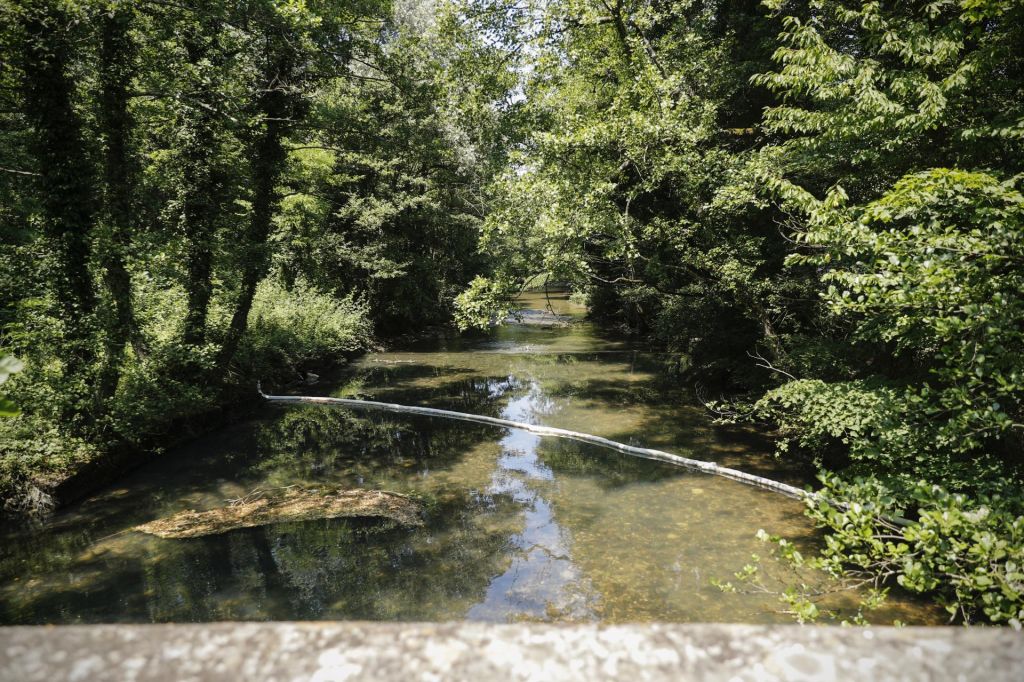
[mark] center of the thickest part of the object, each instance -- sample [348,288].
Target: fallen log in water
[646,453]
[287,504]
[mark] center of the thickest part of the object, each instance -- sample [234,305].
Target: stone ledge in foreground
[439,651]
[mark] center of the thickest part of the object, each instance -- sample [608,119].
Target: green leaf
[8,408]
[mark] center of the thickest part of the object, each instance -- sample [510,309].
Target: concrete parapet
[472,651]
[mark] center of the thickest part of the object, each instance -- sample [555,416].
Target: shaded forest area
[197,195]
[817,204]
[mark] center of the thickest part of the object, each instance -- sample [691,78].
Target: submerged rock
[288,504]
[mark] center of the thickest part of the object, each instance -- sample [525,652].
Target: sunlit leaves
[934,267]
[9,365]
[968,550]
[615,186]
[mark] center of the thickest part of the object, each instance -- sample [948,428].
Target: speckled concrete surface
[326,652]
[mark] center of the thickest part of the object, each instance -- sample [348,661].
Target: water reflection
[542,580]
[517,527]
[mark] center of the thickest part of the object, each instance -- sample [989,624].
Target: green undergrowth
[168,391]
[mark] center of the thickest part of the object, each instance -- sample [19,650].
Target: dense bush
[966,552]
[290,331]
[298,329]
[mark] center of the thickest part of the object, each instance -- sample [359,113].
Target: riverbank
[36,492]
[167,395]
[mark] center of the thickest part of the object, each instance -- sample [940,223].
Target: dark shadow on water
[325,569]
[610,468]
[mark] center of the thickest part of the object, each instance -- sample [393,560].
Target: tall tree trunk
[199,206]
[66,183]
[197,217]
[116,68]
[268,161]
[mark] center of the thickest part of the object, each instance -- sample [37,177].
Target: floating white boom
[645,453]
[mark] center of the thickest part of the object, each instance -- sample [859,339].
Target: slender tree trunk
[268,161]
[66,179]
[196,216]
[116,68]
[199,208]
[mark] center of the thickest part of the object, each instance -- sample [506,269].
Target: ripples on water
[519,527]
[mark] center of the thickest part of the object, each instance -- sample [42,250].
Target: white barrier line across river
[645,453]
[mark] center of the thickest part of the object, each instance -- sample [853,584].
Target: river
[519,527]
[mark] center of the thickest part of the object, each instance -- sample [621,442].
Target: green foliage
[641,115]
[966,551]
[934,269]
[197,195]
[931,270]
[484,303]
[385,203]
[36,451]
[8,365]
[291,330]
[896,152]
[871,92]
[158,393]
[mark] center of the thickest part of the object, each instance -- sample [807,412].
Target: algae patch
[288,504]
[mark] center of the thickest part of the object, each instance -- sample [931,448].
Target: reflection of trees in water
[307,442]
[55,577]
[314,441]
[280,571]
[338,568]
[318,569]
[454,388]
[609,469]
[58,597]
[603,377]
[346,568]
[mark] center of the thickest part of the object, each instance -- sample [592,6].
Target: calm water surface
[519,527]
